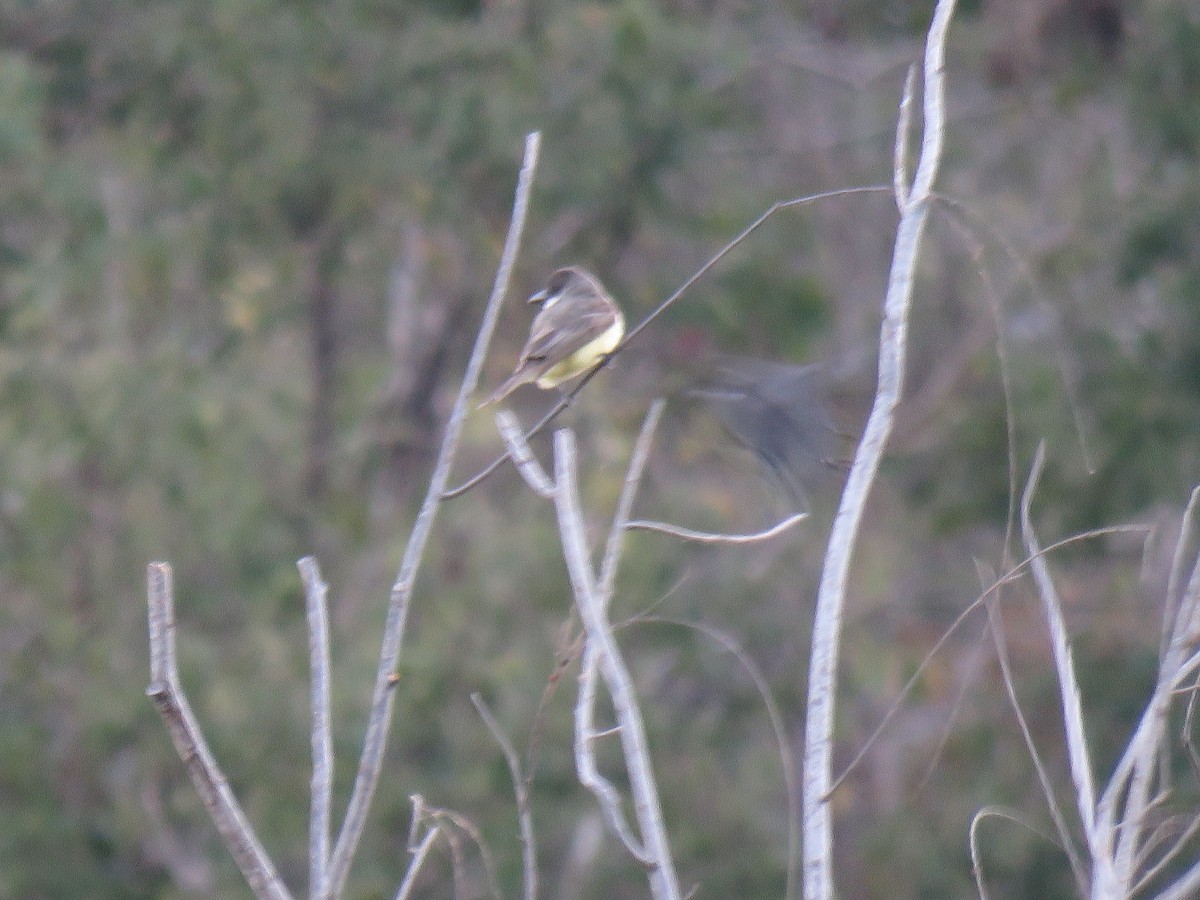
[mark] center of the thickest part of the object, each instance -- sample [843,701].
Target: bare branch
[586,768]
[1028,273]
[565,401]
[1134,776]
[167,694]
[371,759]
[1099,840]
[419,852]
[997,812]
[818,750]
[633,479]
[1186,887]
[1171,608]
[708,537]
[521,454]
[592,606]
[903,130]
[1168,856]
[316,604]
[521,787]
[579,568]
[1056,813]
[1009,576]
[786,759]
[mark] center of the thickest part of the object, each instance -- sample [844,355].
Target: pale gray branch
[586,768]
[521,787]
[316,605]
[592,607]
[522,454]
[900,173]
[1099,844]
[375,740]
[210,782]
[1171,609]
[997,812]
[419,852]
[1056,812]
[633,480]
[709,537]
[822,680]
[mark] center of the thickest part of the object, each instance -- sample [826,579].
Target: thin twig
[521,788]
[1171,608]
[166,691]
[1168,857]
[1027,271]
[1185,888]
[586,734]
[316,605]
[664,884]
[565,401]
[831,597]
[787,762]
[1099,845]
[1008,577]
[1056,813]
[709,537]
[375,739]
[633,480]
[567,650]
[1151,732]
[457,854]
[997,812]
[521,454]
[995,306]
[418,859]
[900,174]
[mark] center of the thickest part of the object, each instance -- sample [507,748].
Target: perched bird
[776,411]
[577,324]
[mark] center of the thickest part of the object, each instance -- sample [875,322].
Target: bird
[777,411]
[577,325]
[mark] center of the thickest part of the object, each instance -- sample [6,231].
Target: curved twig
[831,597]
[521,787]
[371,759]
[565,401]
[709,537]
[210,782]
[602,646]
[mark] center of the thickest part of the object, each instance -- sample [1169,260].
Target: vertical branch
[664,884]
[316,605]
[167,694]
[633,479]
[521,787]
[375,740]
[818,735]
[1068,687]
[900,174]
[1135,774]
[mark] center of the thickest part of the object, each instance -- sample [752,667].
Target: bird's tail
[513,382]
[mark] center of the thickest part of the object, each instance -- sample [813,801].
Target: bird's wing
[560,330]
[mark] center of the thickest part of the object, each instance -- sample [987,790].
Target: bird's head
[554,287]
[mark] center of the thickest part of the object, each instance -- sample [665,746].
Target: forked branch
[210,782]
[913,201]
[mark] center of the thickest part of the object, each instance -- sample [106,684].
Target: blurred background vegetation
[244,248]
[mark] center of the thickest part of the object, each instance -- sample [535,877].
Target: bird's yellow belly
[583,358]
